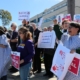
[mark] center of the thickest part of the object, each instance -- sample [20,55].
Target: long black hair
[2,31]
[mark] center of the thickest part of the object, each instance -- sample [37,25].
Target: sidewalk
[15,76]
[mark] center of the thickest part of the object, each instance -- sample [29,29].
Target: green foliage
[5,17]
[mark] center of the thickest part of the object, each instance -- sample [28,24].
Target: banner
[47,39]
[59,18]
[68,16]
[24,15]
[15,56]
[77,17]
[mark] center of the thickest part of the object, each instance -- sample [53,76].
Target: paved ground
[15,76]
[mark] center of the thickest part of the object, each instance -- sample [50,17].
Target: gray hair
[50,27]
[33,24]
[14,24]
[45,28]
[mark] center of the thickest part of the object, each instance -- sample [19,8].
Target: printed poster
[15,56]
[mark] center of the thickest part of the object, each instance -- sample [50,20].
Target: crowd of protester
[25,41]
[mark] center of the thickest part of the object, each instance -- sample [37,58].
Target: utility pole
[71,7]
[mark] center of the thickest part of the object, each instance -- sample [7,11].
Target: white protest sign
[68,59]
[47,39]
[77,17]
[64,61]
[59,61]
[24,15]
[59,18]
[15,56]
[40,22]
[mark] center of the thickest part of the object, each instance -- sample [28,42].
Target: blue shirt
[71,42]
[26,49]
[5,54]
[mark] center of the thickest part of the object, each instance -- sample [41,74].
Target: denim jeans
[24,71]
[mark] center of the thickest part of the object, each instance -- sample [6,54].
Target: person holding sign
[48,56]
[72,42]
[26,49]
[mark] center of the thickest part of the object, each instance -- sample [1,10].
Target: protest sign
[24,15]
[74,67]
[77,17]
[68,59]
[46,39]
[59,18]
[64,61]
[15,56]
[68,17]
[59,61]
[40,22]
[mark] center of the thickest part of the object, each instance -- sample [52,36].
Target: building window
[54,9]
[49,19]
[34,21]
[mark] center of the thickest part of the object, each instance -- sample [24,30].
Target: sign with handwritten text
[47,39]
[24,15]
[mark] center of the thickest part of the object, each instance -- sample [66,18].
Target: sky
[34,6]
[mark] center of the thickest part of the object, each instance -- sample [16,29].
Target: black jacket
[30,29]
[36,35]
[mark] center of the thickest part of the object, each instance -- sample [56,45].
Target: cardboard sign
[24,15]
[15,56]
[68,16]
[47,39]
[77,18]
[74,67]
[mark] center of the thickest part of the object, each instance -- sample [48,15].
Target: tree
[5,17]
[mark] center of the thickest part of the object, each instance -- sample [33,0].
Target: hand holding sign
[15,56]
